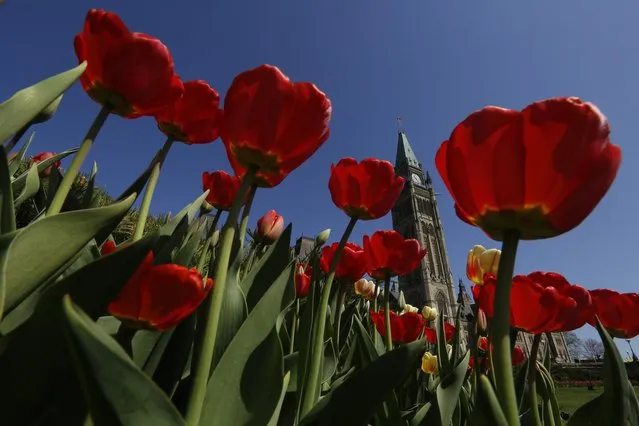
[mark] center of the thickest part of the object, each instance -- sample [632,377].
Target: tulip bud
[482,322]
[429,314]
[215,237]
[401,302]
[270,227]
[449,350]
[480,262]
[322,237]
[48,112]
[409,309]
[429,363]
[482,344]
[302,280]
[365,288]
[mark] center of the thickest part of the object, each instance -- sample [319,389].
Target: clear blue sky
[430,62]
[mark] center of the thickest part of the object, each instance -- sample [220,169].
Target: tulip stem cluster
[208,244]
[388,338]
[532,377]
[69,177]
[500,329]
[341,295]
[317,349]
[150,189]
[201,370]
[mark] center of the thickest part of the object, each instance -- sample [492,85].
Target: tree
[594,349]
[575,345]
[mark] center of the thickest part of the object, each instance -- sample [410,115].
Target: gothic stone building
[416,215]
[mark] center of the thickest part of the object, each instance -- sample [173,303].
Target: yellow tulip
[429,363]
[365,288]
[429,314]
[482,261]
[410,308]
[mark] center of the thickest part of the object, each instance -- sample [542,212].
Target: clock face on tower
[416,178]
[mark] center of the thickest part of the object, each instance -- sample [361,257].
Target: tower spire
[400,125]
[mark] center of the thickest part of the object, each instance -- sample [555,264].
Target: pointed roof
[405,154]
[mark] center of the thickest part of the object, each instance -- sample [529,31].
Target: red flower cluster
[222,189]
[367,190]
[404,328]
[540,171]
[158,297]
[352,262]
[540,302]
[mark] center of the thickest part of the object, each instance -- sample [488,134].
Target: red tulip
[131,72]
[366,190]
[431,335]
[404,328]
[617,312]
[518,356]
[222,189]
[158,297]
[449,331]
[272,124]
[194,118]
[352,262]
[108,247]
[270,226]
[570,316]
[533,307]
[482,344]
[303,275]
[39,158]
[389,254]
[540,171]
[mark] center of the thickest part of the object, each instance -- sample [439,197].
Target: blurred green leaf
[291,364]
[31,186]
[366,389]
[246,385]
[28,383]
[184,255]
[19,182]
[118,393]
[487,411]
[449,389]
[18,111]
[189,212]
[276,413]
[44,246]
[267,269]
[14,165]
[7,210]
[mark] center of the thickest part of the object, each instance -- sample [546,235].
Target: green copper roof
[405,154]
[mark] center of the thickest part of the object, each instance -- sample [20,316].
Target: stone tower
[416,215]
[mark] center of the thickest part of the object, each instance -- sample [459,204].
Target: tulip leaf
[449,388]
[276,413]
[246,385]
[184,255]
[444,364]
[487,411]
[291,364]
[5,242]
[14,165]
[19,182]
[7,209]
[18,111]
[46,245]
[189,212]
[267,269]
[27,381]
[389,370]
[30,188]
[118,393]
[87,196]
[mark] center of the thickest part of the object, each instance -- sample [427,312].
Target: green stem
[124,336]
[16,138]
[532,376]
[296,320]
[150,189]
[245,214]
[372,326]
[388,338]
[201,370]
[341,295]
[500,329]
[209,240]
[317,349]
[69,177]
